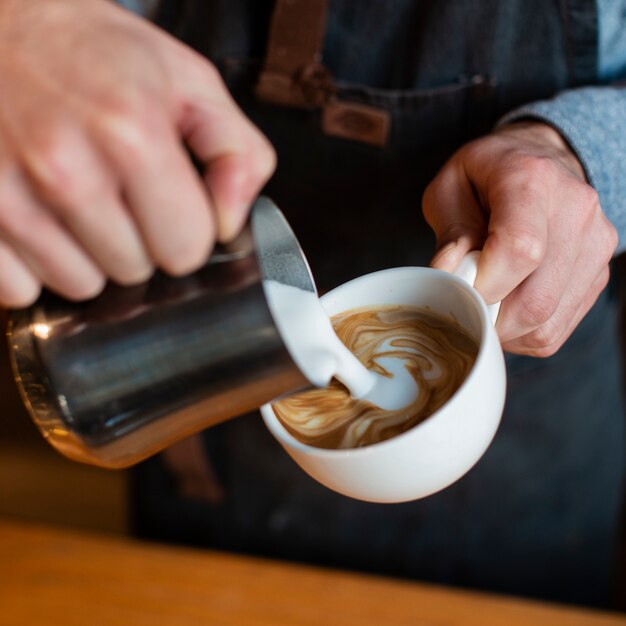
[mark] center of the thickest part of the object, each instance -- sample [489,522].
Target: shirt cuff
[593,122]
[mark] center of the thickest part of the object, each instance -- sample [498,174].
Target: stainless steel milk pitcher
[116,379]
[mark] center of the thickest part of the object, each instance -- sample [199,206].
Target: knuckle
[257,160]
[432,197]
[474,149]
[589,198]
[79,197]
[208,72]
[588,206]
[611,240]
[529,176]
[58,167]
[429,199]
[538,308]
[537,168]
[261,161]
[267,159]
[468,231]
[130,131]
[129,137]
[198,68]
[477,151]
[546,351]
[525,246]
[51,160]
[544,341]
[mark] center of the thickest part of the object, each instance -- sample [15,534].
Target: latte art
[436,352]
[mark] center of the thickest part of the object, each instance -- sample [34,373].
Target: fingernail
[232,221]
[443,260]
[232,200]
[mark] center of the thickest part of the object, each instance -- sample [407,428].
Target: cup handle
[467,270]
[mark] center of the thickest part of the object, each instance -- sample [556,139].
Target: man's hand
[97,109]
[520,195]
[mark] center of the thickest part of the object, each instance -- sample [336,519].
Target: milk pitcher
[116,379]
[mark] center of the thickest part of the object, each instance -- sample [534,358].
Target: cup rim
[278,430]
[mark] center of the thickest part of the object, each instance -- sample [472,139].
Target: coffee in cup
[434,351]
[437,451]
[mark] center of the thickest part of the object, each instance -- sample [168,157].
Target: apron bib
[538,514]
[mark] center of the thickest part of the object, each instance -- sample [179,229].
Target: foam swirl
[437,352]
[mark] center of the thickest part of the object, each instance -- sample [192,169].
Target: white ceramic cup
[442,448]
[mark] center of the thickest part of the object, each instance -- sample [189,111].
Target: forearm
[593,121]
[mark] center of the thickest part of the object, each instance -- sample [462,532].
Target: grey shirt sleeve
[593,121]
[147,8]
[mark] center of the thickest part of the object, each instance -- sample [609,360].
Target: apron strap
[293,74]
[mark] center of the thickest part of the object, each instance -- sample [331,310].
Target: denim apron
[538,515]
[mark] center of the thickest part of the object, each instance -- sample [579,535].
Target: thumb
[238,160]
[451,209]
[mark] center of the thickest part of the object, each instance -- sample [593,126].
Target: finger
[539,296]
[162,190]
[238,158]
[551,295]
[234,182]
[19,287]
[48,250]
[105,228]
[453,212]
[547,340]
[517,238]
[74,180]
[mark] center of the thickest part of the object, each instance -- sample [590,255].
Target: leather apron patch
[293,75]
[358,122]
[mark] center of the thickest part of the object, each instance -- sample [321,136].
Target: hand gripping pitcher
[117,379]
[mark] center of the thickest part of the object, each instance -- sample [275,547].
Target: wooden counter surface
[59,577]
